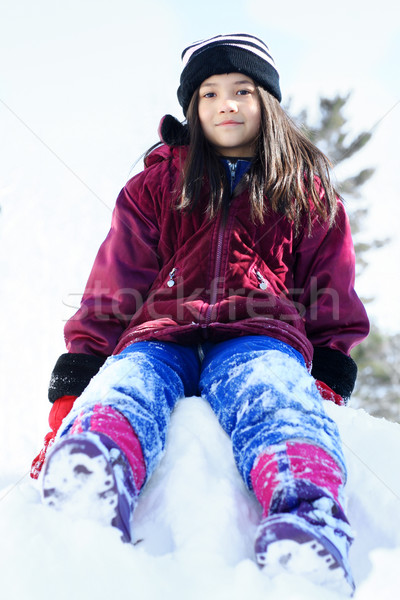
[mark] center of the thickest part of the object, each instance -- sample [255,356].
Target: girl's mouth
[229,122]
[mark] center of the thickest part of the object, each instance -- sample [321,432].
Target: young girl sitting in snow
[228,273]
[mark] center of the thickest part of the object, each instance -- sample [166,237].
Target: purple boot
[312,541]
[87,476]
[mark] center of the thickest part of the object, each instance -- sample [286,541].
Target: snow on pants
[258,387]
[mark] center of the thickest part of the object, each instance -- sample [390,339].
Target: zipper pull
[171,275]
[232,168]
[263,284]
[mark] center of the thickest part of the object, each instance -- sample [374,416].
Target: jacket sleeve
[124,269]
[334,316]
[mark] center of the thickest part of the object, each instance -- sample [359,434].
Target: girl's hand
[58,412]
[328,394]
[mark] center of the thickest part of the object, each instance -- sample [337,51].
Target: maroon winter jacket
[164,275]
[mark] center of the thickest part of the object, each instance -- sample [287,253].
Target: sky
[83,84]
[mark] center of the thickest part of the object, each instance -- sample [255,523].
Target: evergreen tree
[331,136]
[378,384]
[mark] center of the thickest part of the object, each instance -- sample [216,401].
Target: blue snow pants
[258,387]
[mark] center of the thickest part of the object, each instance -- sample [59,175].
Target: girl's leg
[111,423]
[143,383]
[121,421]
[286,447]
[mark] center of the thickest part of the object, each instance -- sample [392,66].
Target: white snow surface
[195,524]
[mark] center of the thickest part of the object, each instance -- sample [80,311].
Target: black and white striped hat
[237,52]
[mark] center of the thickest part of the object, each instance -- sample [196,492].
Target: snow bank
[195,524]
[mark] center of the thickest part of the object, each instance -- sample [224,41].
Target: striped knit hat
[237,52]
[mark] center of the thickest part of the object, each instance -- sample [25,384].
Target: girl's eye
[243,92]
[209,95]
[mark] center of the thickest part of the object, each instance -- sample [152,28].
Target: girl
[228,272]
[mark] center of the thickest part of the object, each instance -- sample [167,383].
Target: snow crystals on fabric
[265,396]
[258,387]
[144,390]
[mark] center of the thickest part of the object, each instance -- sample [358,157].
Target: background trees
[378,385]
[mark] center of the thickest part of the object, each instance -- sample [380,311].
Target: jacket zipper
[171,280]
[232,168]
[215,280]
[262,283]
[214,283]
[220,242]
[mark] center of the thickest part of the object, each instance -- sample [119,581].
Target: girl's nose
[228,105]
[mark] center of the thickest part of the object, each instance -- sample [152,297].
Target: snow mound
[195,525]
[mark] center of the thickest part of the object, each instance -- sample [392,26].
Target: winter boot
[303,529]
[312,541]
[87,475]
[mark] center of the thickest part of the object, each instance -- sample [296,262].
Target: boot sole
[287,546]
[79,480]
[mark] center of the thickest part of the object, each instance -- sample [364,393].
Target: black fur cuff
[72,374]
[336,370]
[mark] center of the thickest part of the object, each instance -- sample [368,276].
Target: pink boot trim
[112,423]
[313,463]
[77,426]
[302,461]
[265,478]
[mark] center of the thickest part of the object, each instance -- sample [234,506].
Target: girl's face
[230,113]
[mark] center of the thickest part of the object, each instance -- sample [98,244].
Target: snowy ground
[196,524]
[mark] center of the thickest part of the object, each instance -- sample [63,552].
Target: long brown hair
[289,174]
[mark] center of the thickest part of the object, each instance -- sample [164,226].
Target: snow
[195,524]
